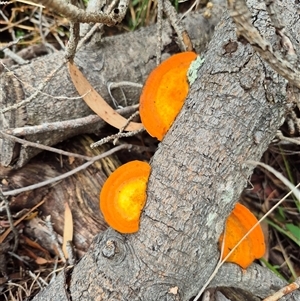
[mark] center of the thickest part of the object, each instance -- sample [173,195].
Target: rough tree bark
[230,116]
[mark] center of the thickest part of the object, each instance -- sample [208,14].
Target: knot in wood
[110,249]
[230,47]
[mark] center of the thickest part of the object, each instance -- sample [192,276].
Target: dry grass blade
[4,235]
[277,174]
[31,3]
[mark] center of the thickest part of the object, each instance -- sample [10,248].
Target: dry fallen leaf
[68,229]
[34,245]
[97,103]
[41,260]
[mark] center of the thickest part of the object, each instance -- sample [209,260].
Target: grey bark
[230,116]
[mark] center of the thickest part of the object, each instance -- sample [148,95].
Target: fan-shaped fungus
[240,221]
[123,196]
[164,93]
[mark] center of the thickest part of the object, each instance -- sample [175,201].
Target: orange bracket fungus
[123,196]
[164,93]
[240,221]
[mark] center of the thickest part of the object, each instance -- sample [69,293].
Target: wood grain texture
[80,191]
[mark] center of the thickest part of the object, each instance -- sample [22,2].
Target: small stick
[14,57]
[73,39]
[120,134]
[185,43]
[280,136]
[35,279]
[69,173]
[97,26]
[10,219]
[124,127]
[12,43]
[41,146]
[159,31]
[284,291]
[7,231]
[54,238]
[40,24]
[91,120]
[79,15]
[54,270]
[114,137]
[113,85]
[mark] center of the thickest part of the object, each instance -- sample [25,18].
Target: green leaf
[273,268]
[283,231]
[295,230]
[281,216]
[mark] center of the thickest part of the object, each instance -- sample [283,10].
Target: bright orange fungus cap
[240,221]
[123,196]
[164,93]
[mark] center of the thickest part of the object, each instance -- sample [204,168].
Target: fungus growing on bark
[164,93]
[239,222]
[123,196]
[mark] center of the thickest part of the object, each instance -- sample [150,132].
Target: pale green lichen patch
[193,69]
[227,196]
[211,219]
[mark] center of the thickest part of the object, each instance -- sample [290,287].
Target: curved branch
[257,280]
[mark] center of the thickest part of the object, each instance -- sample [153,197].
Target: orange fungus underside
[240,221]
[164,93]
[123,196]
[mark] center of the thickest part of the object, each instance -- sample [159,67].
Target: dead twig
[10,219]
[95,27]
[7,231]
[115,137]
[112,85]
[41,146]
[54,239]
[159,30]
[73,39]
[284,291]
[184,41]
[69,173]
[280,136]
[14,57]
